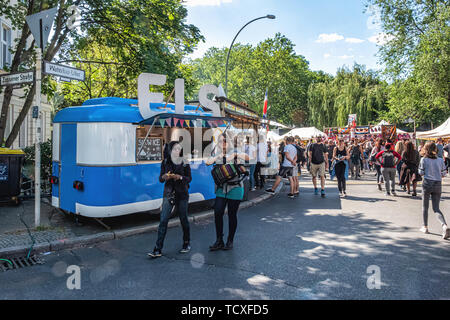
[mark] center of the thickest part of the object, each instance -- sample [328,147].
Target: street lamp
[269,16]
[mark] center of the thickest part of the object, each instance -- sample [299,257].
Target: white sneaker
[424,230]
[446,233]
[394,194]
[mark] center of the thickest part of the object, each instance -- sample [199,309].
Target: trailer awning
[219,121]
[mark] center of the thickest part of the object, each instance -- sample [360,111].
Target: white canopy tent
[272,136]
[443,131]
[305,133]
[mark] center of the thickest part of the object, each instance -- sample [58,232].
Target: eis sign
[145,97]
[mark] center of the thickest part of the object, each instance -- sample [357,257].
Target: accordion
[224,173]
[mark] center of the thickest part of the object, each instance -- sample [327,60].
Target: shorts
[286,172]
[318,169]
[295,171]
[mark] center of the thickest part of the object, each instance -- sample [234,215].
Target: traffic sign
[16,78]
[40,25]
[63,71]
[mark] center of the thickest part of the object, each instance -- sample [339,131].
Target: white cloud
[345,57]
[381,38]
[196,3]
[354,40]
[331,37]
[327,55]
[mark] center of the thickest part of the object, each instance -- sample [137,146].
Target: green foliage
[272,65]
[354,91]
[46,159]
[417,58]
[125,38]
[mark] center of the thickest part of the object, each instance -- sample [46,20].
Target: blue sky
[329,33]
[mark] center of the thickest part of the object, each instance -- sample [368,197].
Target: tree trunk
[14,67]
[23,113]
[54,47]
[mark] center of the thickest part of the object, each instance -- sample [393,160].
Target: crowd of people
[399,163]
[428,163]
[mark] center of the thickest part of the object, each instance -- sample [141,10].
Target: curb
[82,241]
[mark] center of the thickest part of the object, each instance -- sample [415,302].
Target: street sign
[16,78]
[63,71]
[64,79]
[40,25]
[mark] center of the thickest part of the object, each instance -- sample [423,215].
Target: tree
[354,91]
[135,36]
[417,57]
[272,65]
[24,51]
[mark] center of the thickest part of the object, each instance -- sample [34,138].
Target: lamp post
[269,16]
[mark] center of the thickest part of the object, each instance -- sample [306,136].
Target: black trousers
[340,175]
[219,211]
[259,179]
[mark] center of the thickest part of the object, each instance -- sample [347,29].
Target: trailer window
[100,144]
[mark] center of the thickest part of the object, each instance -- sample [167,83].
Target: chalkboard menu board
[152,150]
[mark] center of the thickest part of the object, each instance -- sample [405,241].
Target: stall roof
[443,131]
[120,110]
[305,133]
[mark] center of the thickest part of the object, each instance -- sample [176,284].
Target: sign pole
[40,25]
[37,158]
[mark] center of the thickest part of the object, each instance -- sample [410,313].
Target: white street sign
[16,78]
[63,71]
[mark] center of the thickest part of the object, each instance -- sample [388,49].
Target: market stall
[443,131]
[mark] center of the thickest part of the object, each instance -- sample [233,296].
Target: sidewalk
[59,231]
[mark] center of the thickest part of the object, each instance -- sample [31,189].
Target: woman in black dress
[409,170]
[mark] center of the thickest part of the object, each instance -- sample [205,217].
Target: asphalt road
[306,248]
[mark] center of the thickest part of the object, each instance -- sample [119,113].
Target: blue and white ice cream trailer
[101,170]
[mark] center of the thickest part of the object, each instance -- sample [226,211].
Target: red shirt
[396,154]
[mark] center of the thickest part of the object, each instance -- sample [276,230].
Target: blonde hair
[400,147]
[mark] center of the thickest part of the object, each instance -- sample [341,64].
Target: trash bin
[11,162]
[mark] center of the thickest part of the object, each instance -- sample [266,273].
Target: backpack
[355,154]
[300,154]
[388,160]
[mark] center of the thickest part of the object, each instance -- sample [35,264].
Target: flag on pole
[266,100]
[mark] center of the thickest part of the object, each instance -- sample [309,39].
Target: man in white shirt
[287,167]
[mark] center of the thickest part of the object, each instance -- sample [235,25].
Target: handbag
[225,172]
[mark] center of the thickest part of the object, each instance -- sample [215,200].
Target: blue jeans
[182,206]
[252,175]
